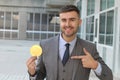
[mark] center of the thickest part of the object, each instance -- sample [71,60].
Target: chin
[68,35]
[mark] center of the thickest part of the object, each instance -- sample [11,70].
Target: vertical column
[116,56]
[22,25]
[96,22]
[83,17]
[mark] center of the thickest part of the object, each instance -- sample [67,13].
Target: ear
[80,21]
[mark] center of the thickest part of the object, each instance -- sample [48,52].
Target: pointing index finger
[85,51]
[77,57]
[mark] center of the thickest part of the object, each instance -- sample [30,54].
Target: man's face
[69,23]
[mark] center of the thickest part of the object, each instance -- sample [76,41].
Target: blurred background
[26,22]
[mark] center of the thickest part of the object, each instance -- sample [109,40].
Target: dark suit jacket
[47,66]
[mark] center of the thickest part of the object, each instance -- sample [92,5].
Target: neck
[68,38]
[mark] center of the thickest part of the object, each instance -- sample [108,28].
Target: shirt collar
[62,42]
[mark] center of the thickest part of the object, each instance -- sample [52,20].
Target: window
[1,20]
[42,25]
[8,20]
[44,22]
[1,24]
[90,28]
[90,7]
[105,4]
[9,25]
[79,5]
[30,22]
[15,18]
[54,23]
[37,22]
[106,28]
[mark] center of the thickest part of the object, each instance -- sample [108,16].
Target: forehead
[71,14]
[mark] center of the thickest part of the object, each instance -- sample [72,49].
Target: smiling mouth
[68,28]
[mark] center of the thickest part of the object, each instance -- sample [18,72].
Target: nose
[67,23]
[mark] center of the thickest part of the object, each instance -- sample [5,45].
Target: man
[83,55]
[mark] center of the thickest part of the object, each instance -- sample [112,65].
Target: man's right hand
[31,65]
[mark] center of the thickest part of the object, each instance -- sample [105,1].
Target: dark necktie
[66,54]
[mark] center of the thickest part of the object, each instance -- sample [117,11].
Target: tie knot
[67,44]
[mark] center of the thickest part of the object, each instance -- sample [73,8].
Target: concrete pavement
[13,57]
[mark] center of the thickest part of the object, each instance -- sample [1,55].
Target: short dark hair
[68,8]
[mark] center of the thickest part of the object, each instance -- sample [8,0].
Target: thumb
[85,51]
[34,57]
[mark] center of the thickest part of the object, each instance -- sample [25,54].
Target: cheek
[77,24]
[62,25]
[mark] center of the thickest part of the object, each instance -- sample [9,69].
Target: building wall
[22,3]
[31,15]
[117,40]
[7,16]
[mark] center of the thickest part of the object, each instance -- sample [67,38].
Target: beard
[68,35]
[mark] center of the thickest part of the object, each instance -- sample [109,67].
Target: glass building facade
[9,25]
[42,26]
[100,25]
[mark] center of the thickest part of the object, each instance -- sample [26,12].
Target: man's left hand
[87,60]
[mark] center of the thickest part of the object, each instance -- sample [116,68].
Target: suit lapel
[77,51]
[55,56]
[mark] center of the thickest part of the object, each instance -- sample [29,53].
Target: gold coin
[36,50]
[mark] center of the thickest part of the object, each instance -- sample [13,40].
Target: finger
[77,57]
[85,51]
[33,64]
[83,60]
[32,68]
[31,59]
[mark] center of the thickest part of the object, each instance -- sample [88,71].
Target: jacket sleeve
[40,69]
[106,73]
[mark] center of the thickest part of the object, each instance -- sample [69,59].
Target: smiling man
[66,56]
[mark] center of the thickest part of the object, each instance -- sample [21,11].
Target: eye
[63,20]
[73,19]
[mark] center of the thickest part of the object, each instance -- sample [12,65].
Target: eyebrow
[70,18]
